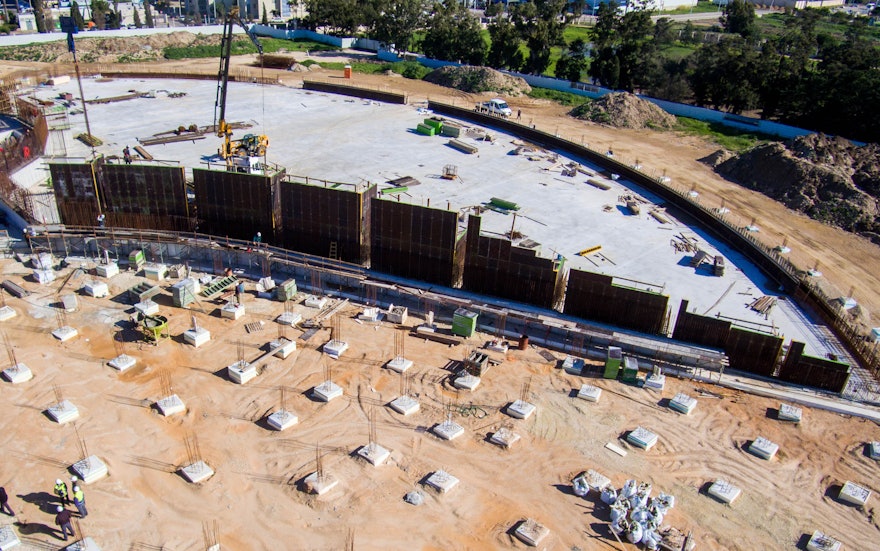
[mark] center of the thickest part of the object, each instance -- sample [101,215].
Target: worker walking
[4,502]
[61,491]
[79,499]
[62,519]
[126,155]
[239,292]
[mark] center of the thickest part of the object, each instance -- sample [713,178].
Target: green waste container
[464,322]
[630,372]
[612,362]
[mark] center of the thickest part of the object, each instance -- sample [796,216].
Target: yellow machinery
[154,328]
[237,153]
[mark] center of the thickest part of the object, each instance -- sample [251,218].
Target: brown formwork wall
[414,242]
[494,267]
[316,216]
[237,205]
[144,196]
[593,296]
[812,371]
[76,192]
[699,329]
[753,352]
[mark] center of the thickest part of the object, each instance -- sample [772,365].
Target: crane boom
[250,145]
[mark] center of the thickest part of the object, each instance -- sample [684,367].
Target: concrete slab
[327,391]
[504,437]
[65,333]
[8,538]
[7,313]
[85,544]
[642,437]
[683,403]
[241,372]
[97,289]
[147,307]
[724,491]
[196,337]
[289,318]
[874,450]
[335,348]
[448,430]
[107,270]
[232,311]
[655,382]
[531,532]
[763,448]
[466,382]
[374,454]
[853,493]
[283,347]
[320,486]
[790,413]
[589,393]
[399,364]
[313,301]
[823,542]
[521,409]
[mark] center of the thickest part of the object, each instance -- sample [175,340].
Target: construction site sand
[254,496]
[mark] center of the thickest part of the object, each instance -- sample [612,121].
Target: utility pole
[69,26]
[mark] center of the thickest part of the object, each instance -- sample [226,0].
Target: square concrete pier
[63,412]
[90,469]
[531,533]
[170,405]
[642,437]
[155,272]
[655,381]
[107,270]
[683,403]
[442,481]
[232,311]
[122,362]
[790,413]
[335,348]
[467,382]
[197,472]
[327,391]
[283,347]
[520,409]
[399,364]
[724,491]
[147,307]
[289,318]
[8,538]
[282,419]
[874,450]
[65,333]
[448,430]
[374,453]
[241,372]
[97,289]
[85,544]
[7,313]
[823,542]
[504,437]
[853,493]
[405,405]
[313,301]
[19,373]
[319,485]
[196,337]
[763,448]
[589,393]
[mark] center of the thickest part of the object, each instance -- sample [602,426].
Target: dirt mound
[478,79]
[716,158]
[829,179]
[109,49]
[624,110]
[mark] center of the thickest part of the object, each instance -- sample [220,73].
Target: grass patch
[729,138]
[702,7]
[244,46]
[365,67]
[562,98]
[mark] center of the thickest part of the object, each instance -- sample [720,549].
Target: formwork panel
[317,216]
[495,267]
[76,192]
[237,205]
[811,371]
[145,196]
[690,327]
[414,242]
[594,297]
[753,352]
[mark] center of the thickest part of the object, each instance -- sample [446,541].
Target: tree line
[801,75]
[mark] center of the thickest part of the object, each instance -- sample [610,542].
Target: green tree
[148,15]
[76,13]
[664,34]
[727,76]
[739,18]
[494,9]
[690,34]
[454,34]
[573,63]
[137,19]
[397,21]
[100,9]
[265,20]
[504,53]
[540,23]
[624,48]
[40,14]
[338,17]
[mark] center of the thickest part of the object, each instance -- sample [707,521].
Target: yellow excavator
[237,153]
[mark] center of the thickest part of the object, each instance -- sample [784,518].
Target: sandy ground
[850,264]
[256,496]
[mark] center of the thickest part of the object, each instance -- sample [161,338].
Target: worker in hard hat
[79,499]
[61,491]
[62,519]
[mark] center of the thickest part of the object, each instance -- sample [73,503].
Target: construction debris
[763,305]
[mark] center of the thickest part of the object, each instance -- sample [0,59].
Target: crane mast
[234,151]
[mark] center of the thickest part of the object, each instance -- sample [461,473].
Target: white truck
[496,106]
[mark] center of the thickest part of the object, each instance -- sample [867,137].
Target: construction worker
[239,292]
[62,519]
[61,491]
[4,502]
[126,155]
[258,239]
[79,499]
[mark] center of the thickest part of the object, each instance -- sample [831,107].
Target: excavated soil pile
[108,50]
[829,179]
[623,110]
[478,79]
